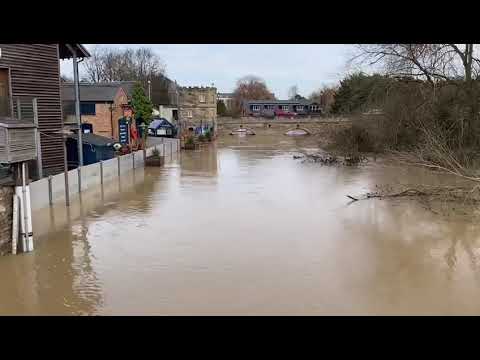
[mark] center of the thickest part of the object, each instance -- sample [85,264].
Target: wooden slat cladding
[35,72]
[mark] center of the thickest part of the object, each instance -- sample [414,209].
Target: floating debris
[329,159]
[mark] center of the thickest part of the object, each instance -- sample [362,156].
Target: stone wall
[280,125]
[197,105]
[6,206]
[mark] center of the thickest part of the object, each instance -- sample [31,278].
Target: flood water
[242,228]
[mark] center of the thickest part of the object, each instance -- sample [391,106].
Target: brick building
[100,105]
[197,106]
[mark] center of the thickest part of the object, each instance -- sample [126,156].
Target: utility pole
[77,104]
[178,111]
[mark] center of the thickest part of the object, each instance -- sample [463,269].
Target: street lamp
[65,132]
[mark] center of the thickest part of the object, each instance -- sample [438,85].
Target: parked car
[283,113]
[161,127]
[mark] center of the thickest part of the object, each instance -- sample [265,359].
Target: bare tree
[94,66]
[250,87]
[432,62]
[325,96]
[123,65]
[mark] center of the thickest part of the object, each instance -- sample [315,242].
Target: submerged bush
[208,135]
[190,141]
[352,140]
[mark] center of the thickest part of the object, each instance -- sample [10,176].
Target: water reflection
[200,163]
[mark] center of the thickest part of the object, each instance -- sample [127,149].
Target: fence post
[37,139]
[101,172]
[118,159]
[79,172]
[50,197]
[133,159]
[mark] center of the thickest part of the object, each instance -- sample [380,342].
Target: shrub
[155,153]
[353,140]
[190,141]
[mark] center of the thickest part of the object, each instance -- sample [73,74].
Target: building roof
[224,94]
[96,92]
[94,139]
[64,51]
[160,122]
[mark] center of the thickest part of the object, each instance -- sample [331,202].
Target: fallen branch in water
[329,159]
[446,193]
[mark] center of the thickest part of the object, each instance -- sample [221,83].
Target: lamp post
[77,103]
[65,133]
[149,90]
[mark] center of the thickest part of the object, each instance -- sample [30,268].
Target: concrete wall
[166,112]
[90,175]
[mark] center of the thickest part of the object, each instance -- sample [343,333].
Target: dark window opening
[87,108]
[4,93]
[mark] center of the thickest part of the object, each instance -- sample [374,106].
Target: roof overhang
[65,53]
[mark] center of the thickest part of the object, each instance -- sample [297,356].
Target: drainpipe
[77,104]
[111,117]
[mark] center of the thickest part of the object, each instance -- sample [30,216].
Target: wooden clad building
[32,71]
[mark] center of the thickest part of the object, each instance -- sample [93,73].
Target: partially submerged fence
[49,190]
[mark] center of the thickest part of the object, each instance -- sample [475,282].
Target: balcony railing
[26,108]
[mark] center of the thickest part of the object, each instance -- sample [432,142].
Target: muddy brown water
[243,228]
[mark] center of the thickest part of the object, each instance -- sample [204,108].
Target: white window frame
[285,108]
[201,98]
[188,113]
[255,107]
[314,107]
[299,107]
[270,107]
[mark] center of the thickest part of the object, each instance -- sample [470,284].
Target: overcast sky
[280,65]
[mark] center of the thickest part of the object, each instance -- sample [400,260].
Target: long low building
[279,107]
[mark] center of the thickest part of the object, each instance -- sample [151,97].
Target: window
[299,107]
[285,107]
[201,98]
[270,107]
[314,107]
[4,93]
[187,113]
[256,107]
[87,108]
